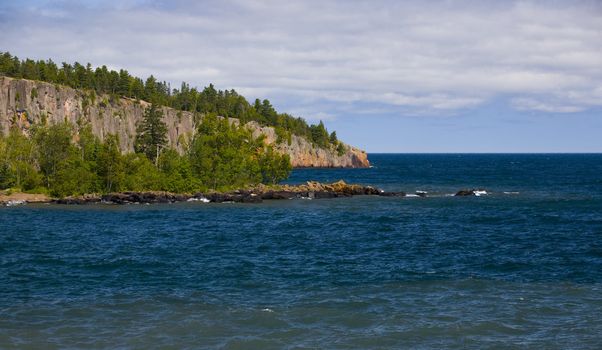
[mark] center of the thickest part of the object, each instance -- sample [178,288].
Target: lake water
[518,268]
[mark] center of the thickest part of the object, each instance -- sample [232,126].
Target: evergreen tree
[227,103]
[319,135]
[151,134]
[333,138]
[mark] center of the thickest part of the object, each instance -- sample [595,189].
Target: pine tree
[151,134]
[333,138]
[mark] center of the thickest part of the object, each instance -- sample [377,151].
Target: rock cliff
[26,102]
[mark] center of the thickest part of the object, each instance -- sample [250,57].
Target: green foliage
[110,165]
[54,148]
[221,155]
[177,173]
[140,173]
[62,162]
[274,166]
[151,134]
[17,159]
[319,135]
[283,135]
[340,149]
[75,176]
[333,138]
[226,103]
[224,155]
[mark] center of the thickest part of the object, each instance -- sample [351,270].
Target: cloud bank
[323,59]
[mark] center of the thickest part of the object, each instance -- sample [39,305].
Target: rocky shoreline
[309,190]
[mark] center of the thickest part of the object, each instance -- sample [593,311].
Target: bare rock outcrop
[26,102]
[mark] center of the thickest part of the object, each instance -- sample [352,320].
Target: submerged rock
[392,194]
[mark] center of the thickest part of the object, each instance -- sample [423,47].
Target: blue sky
[388,76]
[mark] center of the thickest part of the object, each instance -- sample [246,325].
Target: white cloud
[526,104]
[413,57]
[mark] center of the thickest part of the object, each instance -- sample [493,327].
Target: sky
[388,76]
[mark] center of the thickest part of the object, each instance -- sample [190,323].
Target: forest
[56,160]
[226,103]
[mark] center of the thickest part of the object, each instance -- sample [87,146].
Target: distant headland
[75,129]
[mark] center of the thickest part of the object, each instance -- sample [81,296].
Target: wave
[199,199]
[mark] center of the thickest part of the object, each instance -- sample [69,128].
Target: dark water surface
[521,269]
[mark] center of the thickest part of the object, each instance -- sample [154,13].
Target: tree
[319,135]
[141,174]
[88,143]
[75,176]
[53,146]
[150,88]
[110,165]
[227,103]
[333,138]
[151,134]
[224,155]
[18,162]
[275,167]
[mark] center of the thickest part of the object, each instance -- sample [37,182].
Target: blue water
[521,269]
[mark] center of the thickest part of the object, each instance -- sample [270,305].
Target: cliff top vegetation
[209,100]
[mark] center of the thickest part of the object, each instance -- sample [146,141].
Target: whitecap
[199,199]
[267,310]
[479,193]
[411,195]
[14,202]
[511,192]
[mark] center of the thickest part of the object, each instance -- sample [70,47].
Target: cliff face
[27,102]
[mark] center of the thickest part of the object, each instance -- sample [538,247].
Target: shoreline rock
[309,190]
[258,194]
[13,199]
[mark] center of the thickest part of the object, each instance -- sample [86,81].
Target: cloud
[406,57]
[530,104]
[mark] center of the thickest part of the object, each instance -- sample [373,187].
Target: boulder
[251,198]
[279,195]
[325,194]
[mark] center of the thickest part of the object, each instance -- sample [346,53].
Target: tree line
[57,160]
[227,103]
